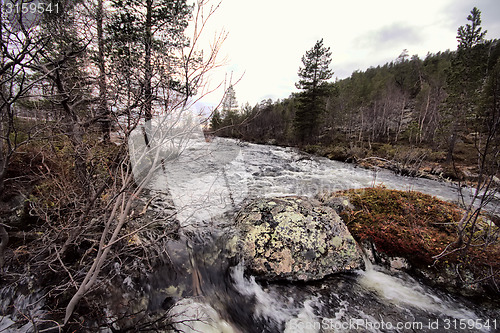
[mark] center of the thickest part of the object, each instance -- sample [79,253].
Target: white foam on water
[5,324]
[190,316]
[206,180]
[267,304]
[409,292]
[272,306]
[306,321]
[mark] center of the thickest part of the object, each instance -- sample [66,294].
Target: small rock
[339,203]
[398,263]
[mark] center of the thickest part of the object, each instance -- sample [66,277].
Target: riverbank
[420,234]
[404,159]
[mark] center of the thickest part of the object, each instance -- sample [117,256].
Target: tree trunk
[148,74]
[75,134]
[4,240]
[360,136]
[400,121]
[422,120]
[451,145]
[103,110]
[3,152]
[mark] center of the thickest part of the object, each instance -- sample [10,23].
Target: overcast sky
[267,38]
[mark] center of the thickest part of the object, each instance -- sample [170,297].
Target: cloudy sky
[267,38]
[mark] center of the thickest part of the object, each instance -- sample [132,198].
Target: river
[208,183]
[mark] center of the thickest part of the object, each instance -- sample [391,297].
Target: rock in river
[295,238]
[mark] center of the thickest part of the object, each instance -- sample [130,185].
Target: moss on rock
[295,238]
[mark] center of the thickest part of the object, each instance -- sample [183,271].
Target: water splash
[268,304]
[190,316]
[409,293]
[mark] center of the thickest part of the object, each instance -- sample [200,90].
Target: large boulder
[295,238]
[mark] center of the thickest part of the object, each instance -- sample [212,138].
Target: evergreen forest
[439,111]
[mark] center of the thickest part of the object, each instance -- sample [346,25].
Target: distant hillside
[409,102]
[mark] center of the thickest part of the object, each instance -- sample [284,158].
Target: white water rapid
[213,179]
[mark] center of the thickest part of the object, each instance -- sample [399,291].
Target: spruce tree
[312,81]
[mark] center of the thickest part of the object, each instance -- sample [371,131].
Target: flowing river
[204,287]
[209,182]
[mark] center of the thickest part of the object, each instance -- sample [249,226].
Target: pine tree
[470,35]
[312,82]
[229,103]
[216,121]
[151,30]
[465,77]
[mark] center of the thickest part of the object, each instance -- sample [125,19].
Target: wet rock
[457,280]
[13,212]
[295,238]
[446,278]
[398,263]
[380,258]
[333,200]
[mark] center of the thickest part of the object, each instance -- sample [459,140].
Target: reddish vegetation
[416,226]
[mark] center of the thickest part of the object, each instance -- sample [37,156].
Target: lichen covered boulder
[295,238]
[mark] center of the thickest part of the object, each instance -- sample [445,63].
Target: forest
[77,78]
[436,114]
